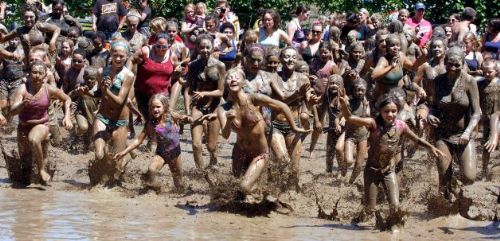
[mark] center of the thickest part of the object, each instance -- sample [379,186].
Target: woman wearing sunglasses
[156,71]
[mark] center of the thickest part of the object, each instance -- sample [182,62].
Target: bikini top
[250,115]
[118,79]
[394,76]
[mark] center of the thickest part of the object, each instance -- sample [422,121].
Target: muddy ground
[321,196]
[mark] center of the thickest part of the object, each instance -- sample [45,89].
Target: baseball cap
[419,6]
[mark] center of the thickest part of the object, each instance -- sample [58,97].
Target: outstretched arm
[140,138]
[263,100]
[352,119]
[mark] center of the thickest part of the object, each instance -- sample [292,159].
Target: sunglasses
[316,32]
[77,61]
[162,47]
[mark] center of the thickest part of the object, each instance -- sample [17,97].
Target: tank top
[230,56]
[271,40]
[38,107]
[473,64]
[153,77]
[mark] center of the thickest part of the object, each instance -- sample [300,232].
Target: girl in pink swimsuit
[385,138]
[31,102]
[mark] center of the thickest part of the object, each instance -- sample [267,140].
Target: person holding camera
[223,10]
[421,27]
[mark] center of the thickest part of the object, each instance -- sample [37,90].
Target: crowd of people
[379,80]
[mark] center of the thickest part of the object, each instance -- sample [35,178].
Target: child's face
[156,109]
[325,54]
[489,72]
[78,62]
[98,44]
[389,112]
[272,63]
[357,54]
[359,91]
[90,80]
[66,49]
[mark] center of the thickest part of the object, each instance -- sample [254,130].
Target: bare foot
[45,177]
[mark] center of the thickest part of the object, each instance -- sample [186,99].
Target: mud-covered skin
[456,113]
[205,89]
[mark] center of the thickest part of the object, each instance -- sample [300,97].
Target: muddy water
[32,214]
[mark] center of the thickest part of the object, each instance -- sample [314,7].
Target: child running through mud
[162,127]
[386,135]
[241,114]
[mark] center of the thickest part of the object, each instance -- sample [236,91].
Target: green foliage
[437,11]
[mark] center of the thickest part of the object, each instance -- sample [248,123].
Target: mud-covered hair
[387,99]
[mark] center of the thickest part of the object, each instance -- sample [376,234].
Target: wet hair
[325,45]
[380,34]
[237,70]
[275,16]
[133,14]
[392,38]
[204,36]
[161,35]
[395,27]
[337,79]
[455,51]
[163,100]
[38,63]
[75,30]
[386,99]
[288,48]
[435,40]
[360,81]
[439,32]
[255,47]
[226,25]
[28,7]
[90,71]
[334,33]
[70,42]
[99,35]
[81,52]
[272,51]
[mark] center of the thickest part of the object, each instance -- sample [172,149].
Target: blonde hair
[475,42]
[159,23]
[163,100]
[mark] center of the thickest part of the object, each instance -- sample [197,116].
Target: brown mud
[320,198]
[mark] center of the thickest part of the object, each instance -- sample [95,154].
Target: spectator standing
[421,27]
[108,16]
